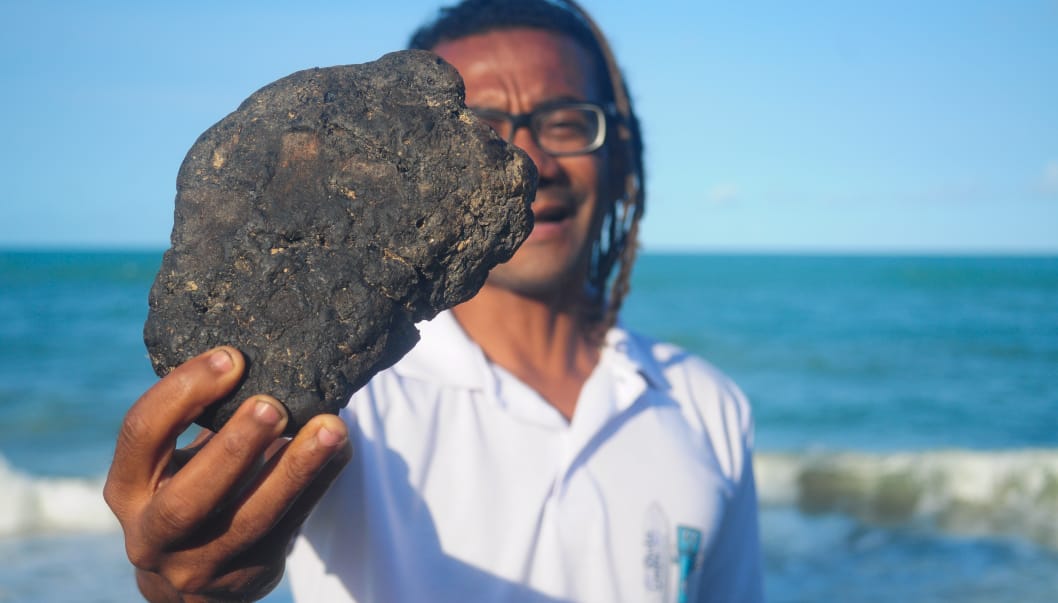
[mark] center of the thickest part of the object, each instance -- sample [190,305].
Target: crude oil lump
[316,224]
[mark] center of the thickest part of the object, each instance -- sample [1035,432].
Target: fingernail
[329,438]
[221,361]
[266,413]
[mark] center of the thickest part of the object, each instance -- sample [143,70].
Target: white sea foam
[35,505]
[993,493]
[1002,493]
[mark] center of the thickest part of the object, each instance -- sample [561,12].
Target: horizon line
[645,250]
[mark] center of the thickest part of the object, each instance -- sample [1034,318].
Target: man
[525,450]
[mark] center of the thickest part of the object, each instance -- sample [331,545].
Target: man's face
[516,71]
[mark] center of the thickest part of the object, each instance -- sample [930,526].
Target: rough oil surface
[318,222]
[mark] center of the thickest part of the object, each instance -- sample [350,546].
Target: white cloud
[722,194]
[1049,182]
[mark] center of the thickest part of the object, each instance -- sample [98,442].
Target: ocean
[906,416]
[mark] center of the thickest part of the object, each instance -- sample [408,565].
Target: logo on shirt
[670,557]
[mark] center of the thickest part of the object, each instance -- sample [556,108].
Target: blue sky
[837,126]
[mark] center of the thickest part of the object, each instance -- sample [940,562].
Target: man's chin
[536,281]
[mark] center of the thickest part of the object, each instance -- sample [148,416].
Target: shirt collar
[443,341]
[444,354]
[635,352]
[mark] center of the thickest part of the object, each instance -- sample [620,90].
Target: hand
[213,522]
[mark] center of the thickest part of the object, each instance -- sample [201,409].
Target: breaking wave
[972,493]
[35,505]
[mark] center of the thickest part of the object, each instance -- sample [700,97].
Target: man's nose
[546,164]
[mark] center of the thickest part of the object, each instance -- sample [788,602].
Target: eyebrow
[554,101]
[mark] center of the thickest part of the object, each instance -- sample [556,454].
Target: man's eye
[567,124]
[498,125]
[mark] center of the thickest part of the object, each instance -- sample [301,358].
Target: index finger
[150,428]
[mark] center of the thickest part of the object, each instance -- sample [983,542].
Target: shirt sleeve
[732,571]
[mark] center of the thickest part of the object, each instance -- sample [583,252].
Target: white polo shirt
[465,485]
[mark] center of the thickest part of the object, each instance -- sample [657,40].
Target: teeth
[553,214]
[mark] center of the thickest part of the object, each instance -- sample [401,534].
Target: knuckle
[236,445]
[173,514]
[184,579]
[135,428]
[141,557]
[114,497]
[300,467]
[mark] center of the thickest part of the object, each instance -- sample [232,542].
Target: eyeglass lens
[563,130]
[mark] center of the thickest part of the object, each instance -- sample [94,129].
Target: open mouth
[552,213]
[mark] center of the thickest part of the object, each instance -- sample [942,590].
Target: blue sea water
[906,412]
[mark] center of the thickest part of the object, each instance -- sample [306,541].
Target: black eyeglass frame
[525,120]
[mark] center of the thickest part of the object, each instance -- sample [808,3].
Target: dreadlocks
[614,251]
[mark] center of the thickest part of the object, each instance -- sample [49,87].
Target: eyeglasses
[559,129]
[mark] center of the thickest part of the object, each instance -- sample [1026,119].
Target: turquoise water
[882,353]
[907,415]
